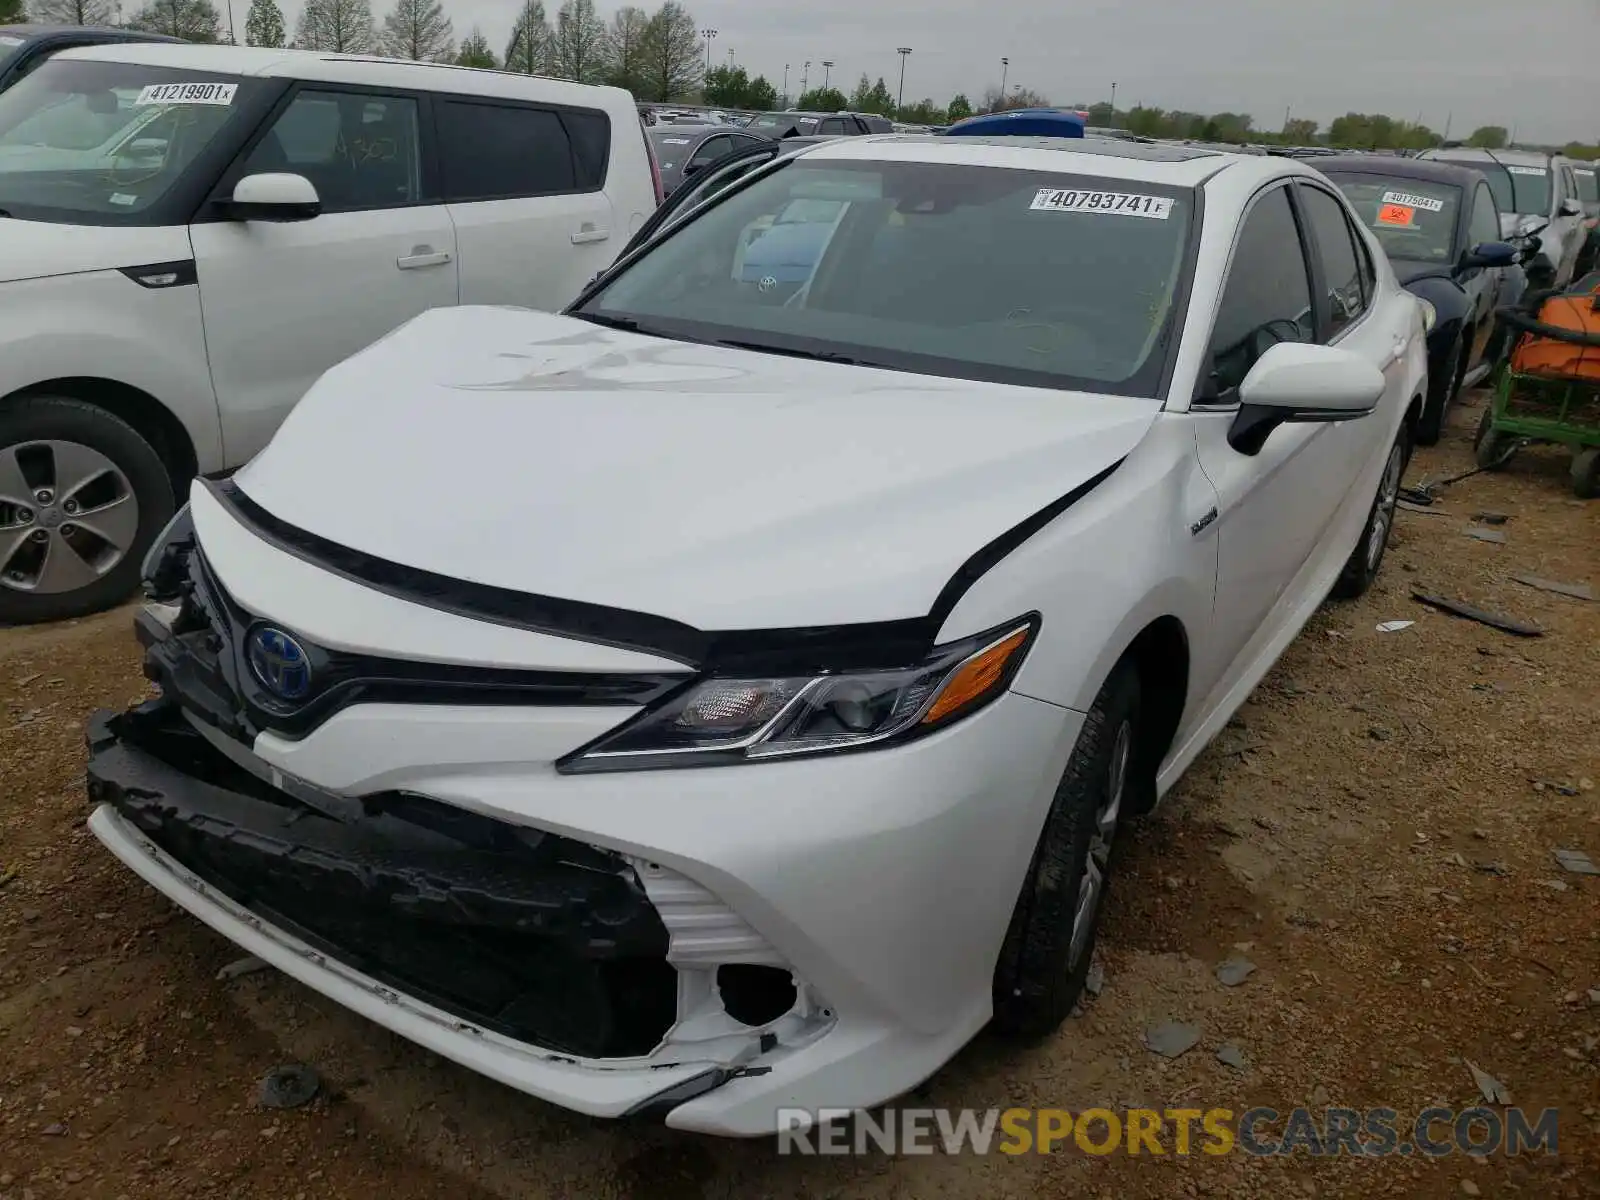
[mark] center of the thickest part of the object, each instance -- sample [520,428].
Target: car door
[1275,508]
[1482,284]
[284,301]
[524,186]
[1569,219]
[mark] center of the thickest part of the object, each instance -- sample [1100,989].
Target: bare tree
[73,12]
[625,48]
[191,20]
[528,51]
[337,26]
[671,52]
[580,42]
[418,30]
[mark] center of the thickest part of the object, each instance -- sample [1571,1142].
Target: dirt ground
[1374,832]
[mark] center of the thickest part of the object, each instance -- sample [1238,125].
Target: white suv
[191,235]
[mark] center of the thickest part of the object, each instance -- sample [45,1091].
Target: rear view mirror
[1488,254]
[274,196]
[1299,382]
[102,104]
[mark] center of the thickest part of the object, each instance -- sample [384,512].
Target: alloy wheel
[1097,865]
[68,515]
[1383,510]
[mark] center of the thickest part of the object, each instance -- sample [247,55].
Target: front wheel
[1586,473]
[1048,946]
[1492,450]
[1362,566]
[1442,393]
[82,496]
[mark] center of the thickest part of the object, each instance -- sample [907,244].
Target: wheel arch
[1159,654]
[152,419]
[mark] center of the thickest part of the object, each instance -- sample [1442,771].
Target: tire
[1361,568]
[67,555]
[1585,473]
[1441,395]
[1042,965]
[1491,450]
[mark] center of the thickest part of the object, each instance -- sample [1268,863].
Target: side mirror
[1531,245]
[694,168]
[1531,225]
[1488,254]
[1570,208]
[1297,382]
[274,196]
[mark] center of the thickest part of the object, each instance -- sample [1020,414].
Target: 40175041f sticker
[1116,204]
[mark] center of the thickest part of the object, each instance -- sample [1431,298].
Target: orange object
[1396,214]
[976,677]
[1539,355]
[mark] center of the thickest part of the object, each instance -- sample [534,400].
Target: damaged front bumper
[535,959]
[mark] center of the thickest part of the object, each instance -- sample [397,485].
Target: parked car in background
[1440,227]
[190,235]
[23,48]
[769,730]
[683,150]
[800,124]
[1589,197]
[1532,189]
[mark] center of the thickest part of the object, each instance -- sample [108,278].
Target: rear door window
[503,152]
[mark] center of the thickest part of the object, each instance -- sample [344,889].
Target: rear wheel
[1050,942]
[1586,473]
[1492,450]
[1362,566]
[82,496]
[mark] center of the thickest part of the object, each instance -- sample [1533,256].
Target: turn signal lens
[977,677]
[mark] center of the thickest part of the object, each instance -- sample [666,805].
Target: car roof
[345,68]
[1520,158]
[1177,166]
[1427,170]
[44,29]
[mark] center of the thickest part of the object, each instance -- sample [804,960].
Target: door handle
[422,256]
[590,234]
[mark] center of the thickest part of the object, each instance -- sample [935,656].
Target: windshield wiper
[832,356]
[628,324]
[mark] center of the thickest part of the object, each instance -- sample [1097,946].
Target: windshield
[1413,219]
[105,138]
[1531,186]
[970,272]
[1587,192]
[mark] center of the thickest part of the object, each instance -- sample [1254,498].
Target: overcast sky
[1534,65]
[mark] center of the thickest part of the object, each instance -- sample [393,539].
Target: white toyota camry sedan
[724,697]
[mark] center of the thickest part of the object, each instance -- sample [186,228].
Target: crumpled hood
[723,488]
[35,249]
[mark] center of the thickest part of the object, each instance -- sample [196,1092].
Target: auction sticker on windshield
[187,93]
[1121,204]
[1406,199]
[1527,171]
[1396,214]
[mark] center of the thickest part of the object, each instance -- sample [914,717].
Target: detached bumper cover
[546,940]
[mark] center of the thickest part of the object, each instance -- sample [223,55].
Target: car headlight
[1430,315]
[717,721]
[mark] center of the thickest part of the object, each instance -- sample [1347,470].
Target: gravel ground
[1374,832]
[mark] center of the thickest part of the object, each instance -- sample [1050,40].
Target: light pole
[785,100]
[827,72]
[1005,66]
[900,101]
[708,34]
[805,78]
[1113,102]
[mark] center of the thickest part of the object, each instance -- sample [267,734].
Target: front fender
[1135,549]
[102,325]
